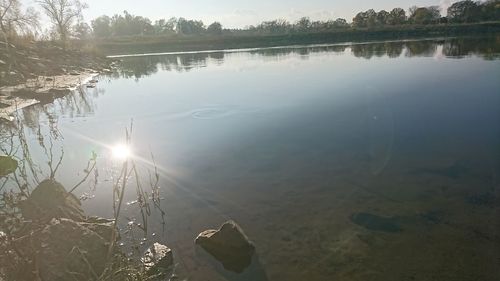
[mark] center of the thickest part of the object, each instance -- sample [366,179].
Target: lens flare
[120,152]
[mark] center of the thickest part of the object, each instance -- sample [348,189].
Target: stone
[229,245]
[158,259]
[70,251]
[51,200]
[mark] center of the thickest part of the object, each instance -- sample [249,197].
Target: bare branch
[63,14]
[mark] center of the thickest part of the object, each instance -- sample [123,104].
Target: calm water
[363,162]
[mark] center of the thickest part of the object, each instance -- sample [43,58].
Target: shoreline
[41,90]
[291,46]
[39,72]
[190,43]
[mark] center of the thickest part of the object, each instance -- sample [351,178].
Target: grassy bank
[173,43]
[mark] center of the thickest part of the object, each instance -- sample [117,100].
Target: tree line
[67,21]
[460,12]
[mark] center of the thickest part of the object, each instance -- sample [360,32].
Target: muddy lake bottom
[368,162]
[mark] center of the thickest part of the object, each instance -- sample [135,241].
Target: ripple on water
[217,112]
[211,113]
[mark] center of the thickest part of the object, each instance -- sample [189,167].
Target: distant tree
[101,26]
[318,26]
[365,19]
[340,23]
[215,28]
[62,14]
[371,18]
[171,24]
[278,26]
[397,16]
[165,26]
[81,31]
[129,25]
[383,17]
[303,24]
[190,26]
[443,20]
[411,12]
[359,20]
[425,15]
[464,11]
[13,19]
[490,10]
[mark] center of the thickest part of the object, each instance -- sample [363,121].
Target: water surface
[371,161]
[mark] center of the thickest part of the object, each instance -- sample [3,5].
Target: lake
[374,161]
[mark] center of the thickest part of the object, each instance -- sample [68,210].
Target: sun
[120,151]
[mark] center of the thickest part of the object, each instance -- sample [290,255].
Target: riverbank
[175,43]
[33,72]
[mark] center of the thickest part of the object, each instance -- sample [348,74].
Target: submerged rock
[377,223]
[229,245]
[157,259]
[51,200]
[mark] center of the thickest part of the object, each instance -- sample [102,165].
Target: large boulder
[229,245]
[51,200]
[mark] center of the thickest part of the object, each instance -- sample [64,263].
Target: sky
[242,13]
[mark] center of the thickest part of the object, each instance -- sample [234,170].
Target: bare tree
[14,20]
[63,13]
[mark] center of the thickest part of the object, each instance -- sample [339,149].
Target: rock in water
[70,251]
[65,243]
[229,245]
[157,259]
[50,200]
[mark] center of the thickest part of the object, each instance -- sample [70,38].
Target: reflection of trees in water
[301,51]
[16,142]
[421,48]
[78,103]
[394,49]
[488,48]
[138,67]
[367,51]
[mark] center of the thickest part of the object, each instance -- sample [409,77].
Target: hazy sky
[239,13]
